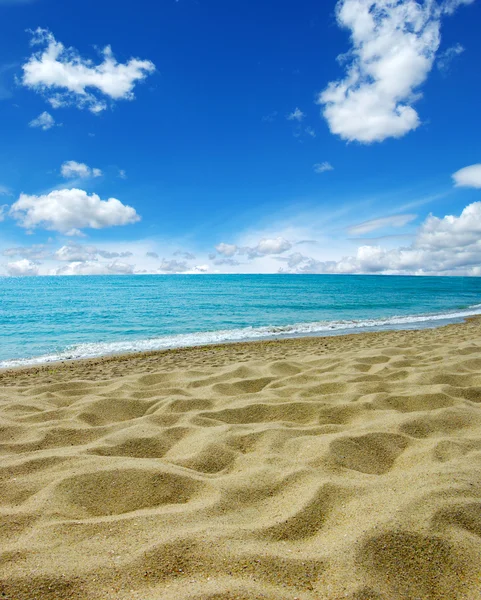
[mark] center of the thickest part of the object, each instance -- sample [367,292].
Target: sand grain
[323,468]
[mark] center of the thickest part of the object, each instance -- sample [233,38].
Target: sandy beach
[321,468]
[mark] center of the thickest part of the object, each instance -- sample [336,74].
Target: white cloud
[152,254]
[198,270]
[446,58]
[372,225]
[84,253]
[70,210]
[22,268]
[264,247]
[122,174]
[449,6]
[94,268]
[296,115]
[183,254]
[65,78]
[5,191]
[272,246]
[35,252]
[468,177]
[450,245]
[3,211]
[322,167]
[173,266]
[310,131]
[226,249]
[232,262]
[394,43]
[71,169]
[451,231]
[44,121]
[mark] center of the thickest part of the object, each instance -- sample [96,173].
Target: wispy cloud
[271,117]
[322,167]
[296,115]
[381,223]
[446,58]
[44,121]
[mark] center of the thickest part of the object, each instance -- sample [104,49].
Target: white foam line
[94,350]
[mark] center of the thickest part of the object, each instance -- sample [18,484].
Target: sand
[346,467]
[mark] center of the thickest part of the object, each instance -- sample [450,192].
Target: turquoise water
[57,318]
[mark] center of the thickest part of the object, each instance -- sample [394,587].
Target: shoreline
[291,344]
[300,330]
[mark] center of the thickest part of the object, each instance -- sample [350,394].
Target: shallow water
[52,318]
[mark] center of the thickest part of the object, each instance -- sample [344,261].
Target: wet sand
[321,468]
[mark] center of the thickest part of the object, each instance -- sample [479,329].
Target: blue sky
[304,137]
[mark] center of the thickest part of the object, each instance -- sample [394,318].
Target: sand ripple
[310,469]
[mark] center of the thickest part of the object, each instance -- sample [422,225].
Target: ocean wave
[185,340]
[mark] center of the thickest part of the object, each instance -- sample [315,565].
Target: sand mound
[310,469]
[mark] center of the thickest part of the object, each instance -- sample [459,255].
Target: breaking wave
[94,350]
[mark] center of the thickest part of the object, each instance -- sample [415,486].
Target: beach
[310,468]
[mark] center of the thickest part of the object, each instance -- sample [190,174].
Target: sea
[45,319]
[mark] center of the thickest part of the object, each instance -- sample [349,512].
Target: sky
[204,136]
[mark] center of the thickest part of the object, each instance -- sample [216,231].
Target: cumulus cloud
[296,115]
[450,245]
[394,43]
[71,169]
[152,254]
[226,249]
[272,246]
[44,121]
[468,177]
[22,268]
[69,210]
[322,167]
[374,224]
[67,79]
[173,266]
[94,268]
